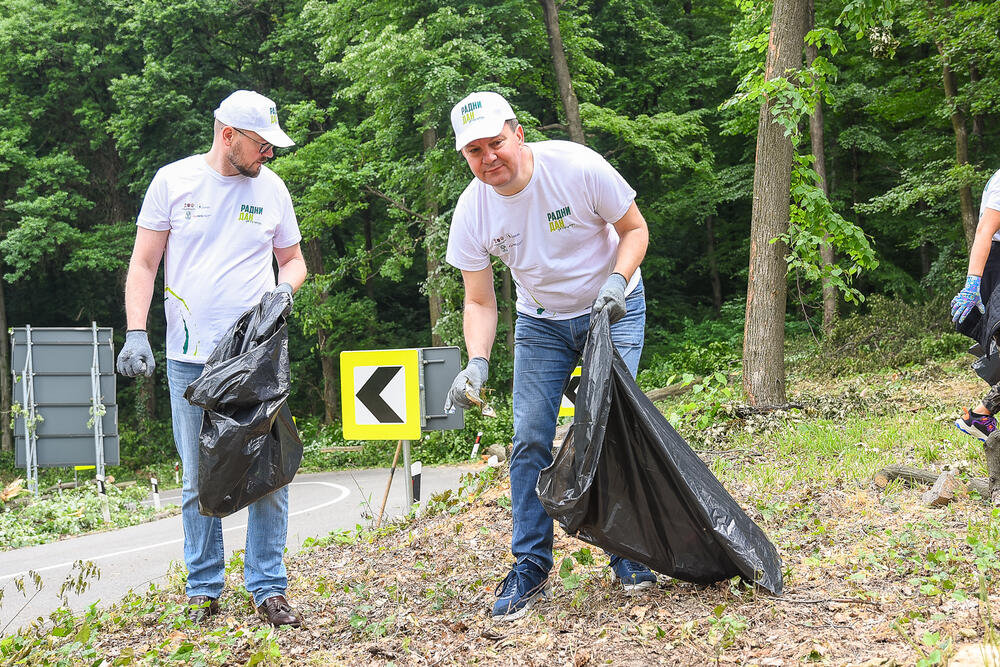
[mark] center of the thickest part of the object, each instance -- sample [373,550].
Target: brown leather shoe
[201,607]
[276,611]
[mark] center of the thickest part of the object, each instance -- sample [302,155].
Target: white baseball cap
[479,115]
[248,110]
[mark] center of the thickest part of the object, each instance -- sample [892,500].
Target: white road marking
[344,492]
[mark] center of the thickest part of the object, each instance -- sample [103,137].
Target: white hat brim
[478,130]
[276,137]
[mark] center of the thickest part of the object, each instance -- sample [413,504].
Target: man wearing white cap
[217,220]
[566,224]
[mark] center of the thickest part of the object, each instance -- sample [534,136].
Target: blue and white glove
[136,355]
[612,298]
[467,387]
[967,299]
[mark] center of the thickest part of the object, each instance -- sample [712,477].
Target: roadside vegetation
[26,520]
[872,576]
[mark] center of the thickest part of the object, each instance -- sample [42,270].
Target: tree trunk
[969,217]
[767,290]
[978,124]
[314,257]
[6,435]
[369,269]
[433,297]
[816,137]
[563,80]
[713,264]
[925,258]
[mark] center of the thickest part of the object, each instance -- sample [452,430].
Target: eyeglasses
[264,146]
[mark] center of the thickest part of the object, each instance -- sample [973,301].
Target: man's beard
[244,171]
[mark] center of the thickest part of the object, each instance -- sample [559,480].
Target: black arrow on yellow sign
[574,384]
[370,395]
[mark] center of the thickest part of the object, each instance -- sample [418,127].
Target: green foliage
[149,443]
[813,223]
[96,95]
[703,348]
[434,447]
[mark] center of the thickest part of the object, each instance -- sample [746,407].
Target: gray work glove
[286,288]
[612,298]
[467,383]
[136,355]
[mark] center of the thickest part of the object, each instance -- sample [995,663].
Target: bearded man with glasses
[216,220]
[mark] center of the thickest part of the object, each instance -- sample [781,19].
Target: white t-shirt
[556,235]
[219,253]
[991,198]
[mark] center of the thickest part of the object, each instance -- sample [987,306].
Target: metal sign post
[408,486]
[97,409]
[30,419]
[396,395]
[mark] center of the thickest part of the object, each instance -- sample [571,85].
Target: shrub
[891,333]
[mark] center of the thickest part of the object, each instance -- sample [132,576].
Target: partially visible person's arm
[633,237]
[291,266]
[988,225]
[146,255]
[970,296]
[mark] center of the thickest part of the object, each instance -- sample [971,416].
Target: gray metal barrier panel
[439,366]
[62,358]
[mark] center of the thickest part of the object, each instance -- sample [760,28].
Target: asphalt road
[134,557]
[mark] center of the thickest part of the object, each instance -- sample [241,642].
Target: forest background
[887,128]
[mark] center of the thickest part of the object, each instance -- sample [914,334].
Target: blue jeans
[545,354]
[267,524]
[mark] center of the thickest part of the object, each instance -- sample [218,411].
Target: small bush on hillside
[891,333]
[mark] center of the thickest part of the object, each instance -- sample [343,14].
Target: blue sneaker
[977,425]
[634,576]
[524,585]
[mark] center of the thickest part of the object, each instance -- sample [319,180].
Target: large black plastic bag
[626,481]
[249,445]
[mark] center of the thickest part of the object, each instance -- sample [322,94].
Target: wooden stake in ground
[385,496]
[993,466]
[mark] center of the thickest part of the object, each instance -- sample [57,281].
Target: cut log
[944,490]
[907,474]
[914,476]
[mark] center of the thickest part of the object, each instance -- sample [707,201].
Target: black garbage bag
[248,445]
[626,481]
